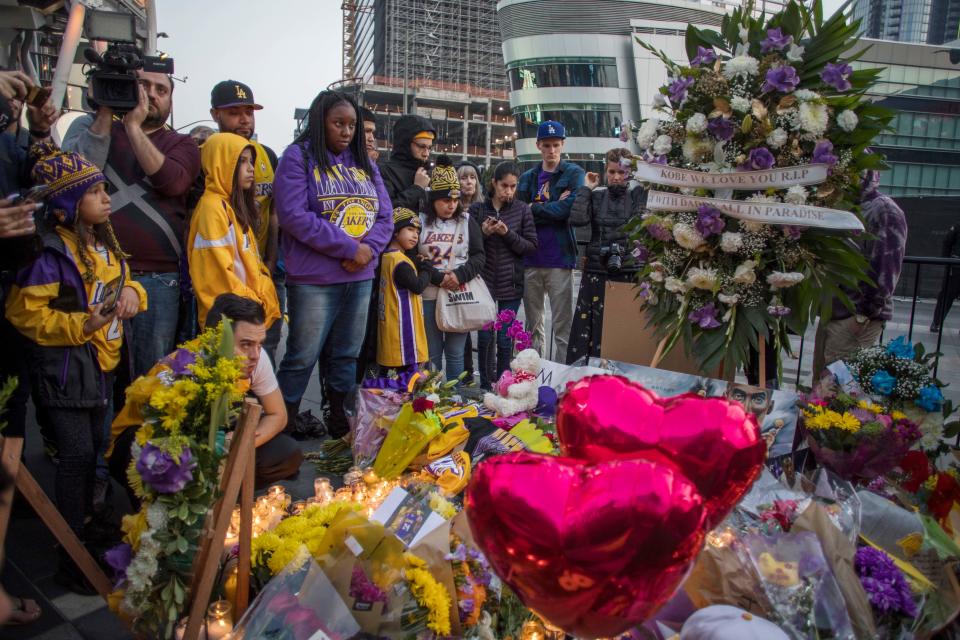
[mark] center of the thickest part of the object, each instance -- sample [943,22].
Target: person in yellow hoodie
[222,243]
[71,303]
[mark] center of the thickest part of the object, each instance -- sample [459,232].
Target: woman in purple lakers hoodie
[336,219]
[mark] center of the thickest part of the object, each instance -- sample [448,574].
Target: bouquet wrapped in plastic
[370,421]
[412,430]
[853,436]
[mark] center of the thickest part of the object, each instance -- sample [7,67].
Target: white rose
[697,123]
[656,276]
[740,104]
[814,118]
[700,278]
[742,65]
[805,95]
[777,138]
[697,150]
[731,242]
[730,300]
[662,145]
[847,120]
[687,236]
[647,133]
[675,285]
[744,273]
[783,280]
[795,53]
[796,195]
[659,100]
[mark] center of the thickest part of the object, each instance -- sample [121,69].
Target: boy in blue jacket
[551,188]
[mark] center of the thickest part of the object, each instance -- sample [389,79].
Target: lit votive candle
[275,491]
[219,620]
[322,488]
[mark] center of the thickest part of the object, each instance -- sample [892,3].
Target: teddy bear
[517,390]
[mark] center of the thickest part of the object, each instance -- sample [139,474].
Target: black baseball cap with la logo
[231,93]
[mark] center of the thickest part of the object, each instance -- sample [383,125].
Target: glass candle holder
[219,620]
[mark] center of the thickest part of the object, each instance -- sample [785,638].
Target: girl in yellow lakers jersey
[401,338]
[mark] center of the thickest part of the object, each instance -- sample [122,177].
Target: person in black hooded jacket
[406,175]
[609,255]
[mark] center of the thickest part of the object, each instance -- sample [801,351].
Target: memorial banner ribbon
[764,212]
[737,180]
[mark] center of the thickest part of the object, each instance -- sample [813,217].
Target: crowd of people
[140,236]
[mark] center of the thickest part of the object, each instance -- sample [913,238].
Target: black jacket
[70,376]
[606,216]
[503,268]
[398,171]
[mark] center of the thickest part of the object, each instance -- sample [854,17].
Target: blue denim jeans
[443,345]
[334,315]
[154,332]
[274,333]
[495,355]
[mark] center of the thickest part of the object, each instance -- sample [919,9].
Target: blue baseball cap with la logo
[551,129]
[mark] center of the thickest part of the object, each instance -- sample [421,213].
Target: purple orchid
[659,232]
[720,128]
[640,253]
[759,159]
[119,558]
[709,221]
[778,310]
[655,159]
[775,41]
[783,79]
[646,292]
[161,472]
[705,317]
[678,89]
[823,153]
[837,75]
[792,231]
[179,361]
[704,57]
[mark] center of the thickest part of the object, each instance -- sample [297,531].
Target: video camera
[113,77]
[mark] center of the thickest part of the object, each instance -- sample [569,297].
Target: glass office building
[923,86]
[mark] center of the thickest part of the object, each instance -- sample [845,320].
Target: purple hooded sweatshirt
[325,217]
[884,220]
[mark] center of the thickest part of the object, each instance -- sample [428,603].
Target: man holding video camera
[150,169]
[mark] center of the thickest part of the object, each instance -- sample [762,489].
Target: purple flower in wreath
[678,89]
[704,57]
[792,231]
[884,582]
[161,472]
[709,221]
[179,361]
[119,558]
[705,317]
[775,41]
[778,310]
[783,79]
[720,128]
[656,159]
[837,75]
[823,153]
[659,232]
[760,158]
[640,253]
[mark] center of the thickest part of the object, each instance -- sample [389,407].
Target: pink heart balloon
[714,441]
[593,548]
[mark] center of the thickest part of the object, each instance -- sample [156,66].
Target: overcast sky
[286,50]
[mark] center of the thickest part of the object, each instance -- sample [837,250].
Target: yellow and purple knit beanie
[67,175]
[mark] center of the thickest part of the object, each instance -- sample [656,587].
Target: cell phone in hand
[33,194]
[111,295]
[38,96]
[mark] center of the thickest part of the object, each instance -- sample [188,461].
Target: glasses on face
[423,146]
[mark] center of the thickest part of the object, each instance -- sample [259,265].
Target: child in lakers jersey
[401,338]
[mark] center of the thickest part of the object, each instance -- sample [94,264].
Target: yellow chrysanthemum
[443,507]
[869,406]
[848,422]
[898,415]
[430,594]
[277,548]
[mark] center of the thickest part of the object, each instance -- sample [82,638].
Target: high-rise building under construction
[441,59]
[454,42]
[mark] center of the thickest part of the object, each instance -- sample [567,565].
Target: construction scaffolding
[424,41]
